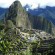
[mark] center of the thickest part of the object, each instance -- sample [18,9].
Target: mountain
[2,12]
[16,16]
[48,12]
[40,23]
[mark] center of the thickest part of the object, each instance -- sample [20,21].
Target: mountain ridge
[48,12]
[2,12]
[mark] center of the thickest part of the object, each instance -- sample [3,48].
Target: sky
[32,3]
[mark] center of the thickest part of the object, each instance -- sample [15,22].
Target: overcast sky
[32,3]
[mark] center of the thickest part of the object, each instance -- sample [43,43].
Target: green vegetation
[41,23]
[10,24]
[4,44]
[17,15]
[14,44]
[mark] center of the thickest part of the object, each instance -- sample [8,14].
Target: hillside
[2,12]
[17,16]
[40,23]
[48,12]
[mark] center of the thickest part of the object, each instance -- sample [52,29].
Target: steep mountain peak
[17,15]
[16,3]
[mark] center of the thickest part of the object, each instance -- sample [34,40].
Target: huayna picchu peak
[17,15]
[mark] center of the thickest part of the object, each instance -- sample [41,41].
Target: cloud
[34,6]
[32,3]
[6,3]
